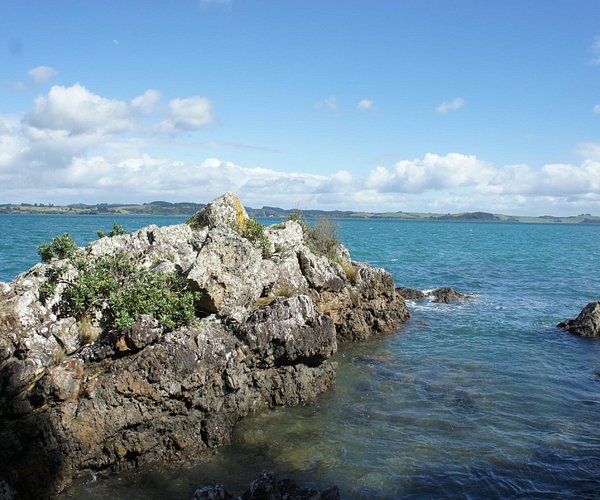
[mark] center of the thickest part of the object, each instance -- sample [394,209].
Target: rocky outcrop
[448,295]
[411,293]
[587,323]
[75,394]
[444,295]
[268,487]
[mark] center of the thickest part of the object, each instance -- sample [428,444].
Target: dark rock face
[73,396]
[448,295]
[441,295]
[267,487]
[410,293]
[587,324]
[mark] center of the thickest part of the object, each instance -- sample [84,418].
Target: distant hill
[187,209]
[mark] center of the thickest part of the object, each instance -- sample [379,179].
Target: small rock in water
[447,295]
[267,487]
[410,293]
[587,324]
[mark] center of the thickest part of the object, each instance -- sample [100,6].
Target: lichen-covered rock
[587,323]
[75,393]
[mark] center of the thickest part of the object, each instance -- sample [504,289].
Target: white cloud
[596,109]
[453,105]
[42,74]
[364,104]
[147,102]
[75,146]
[38,76]
[78,111]
[329,103]
[433,172]
[191,113]
[589,150]
[187,114]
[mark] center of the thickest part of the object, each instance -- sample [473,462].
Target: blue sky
[423,105]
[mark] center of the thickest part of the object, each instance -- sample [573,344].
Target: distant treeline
[188,208]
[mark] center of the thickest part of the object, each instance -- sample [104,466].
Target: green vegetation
[322,237]
[351,272]
[188,209]
[115,231]
[61,247]
[117,287]
[254,232]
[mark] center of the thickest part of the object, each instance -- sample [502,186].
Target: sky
[375,105]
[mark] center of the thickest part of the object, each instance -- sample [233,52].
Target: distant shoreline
[186,209]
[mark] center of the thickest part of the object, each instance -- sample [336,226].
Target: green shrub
[254,232]
[123,291]
[61,247]
[322,238]
[115,231]
[351,272]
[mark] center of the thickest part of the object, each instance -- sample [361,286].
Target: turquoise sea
[482,399]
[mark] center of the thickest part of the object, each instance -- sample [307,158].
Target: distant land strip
[188,208]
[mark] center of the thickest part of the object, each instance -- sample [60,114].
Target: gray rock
[75,396]
[587,323]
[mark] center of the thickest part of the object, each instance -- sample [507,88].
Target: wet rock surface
[444,295]
[75,396]
[587,323]
[448,295]
[267,487]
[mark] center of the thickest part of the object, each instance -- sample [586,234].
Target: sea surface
[480,399]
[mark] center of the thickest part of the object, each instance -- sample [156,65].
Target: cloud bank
[76,146]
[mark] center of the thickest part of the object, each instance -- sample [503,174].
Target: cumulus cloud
[364,104]
[77,110]
[38,76]
[596,109]
[453,105]
[75,145]
[147,102]
[433,172]
[191,113]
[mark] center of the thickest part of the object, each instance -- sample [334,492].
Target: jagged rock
[267,487]
[410,293]
[74,395]
[587,323]
[448,295]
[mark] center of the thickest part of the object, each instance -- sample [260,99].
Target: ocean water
[480,399]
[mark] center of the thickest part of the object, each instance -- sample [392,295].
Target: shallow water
[485,398]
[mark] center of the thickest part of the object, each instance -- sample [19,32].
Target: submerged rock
[267,487]
[587,323]
[77,394]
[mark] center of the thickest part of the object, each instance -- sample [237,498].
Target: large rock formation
[587,323]
[75,394]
